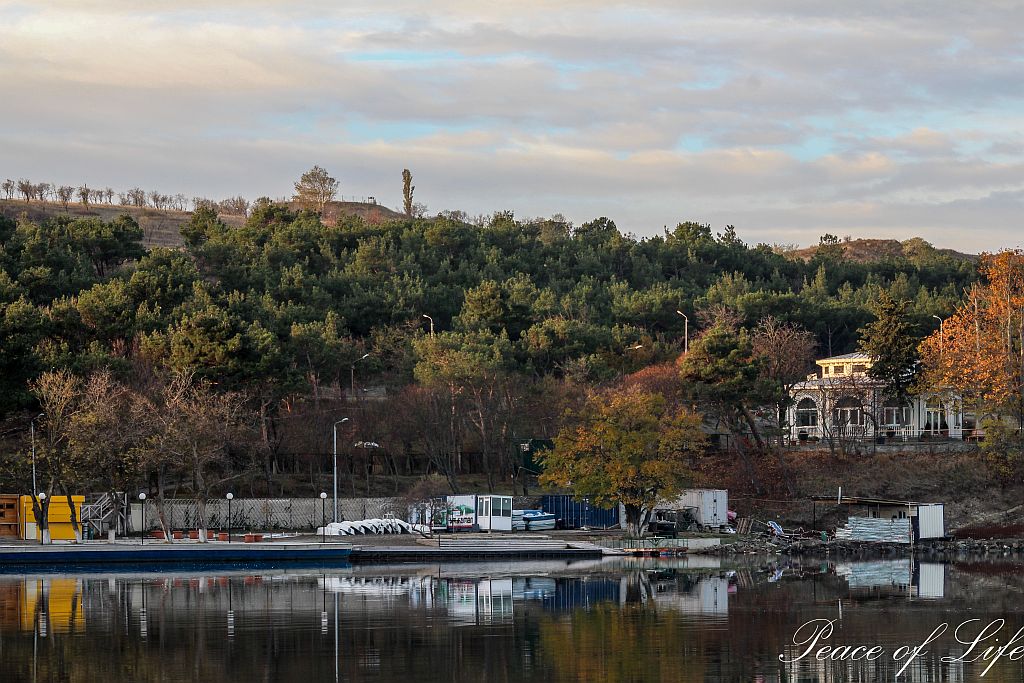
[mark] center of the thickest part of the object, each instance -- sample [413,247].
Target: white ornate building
[840,401]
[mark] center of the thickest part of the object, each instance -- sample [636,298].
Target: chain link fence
[268,514]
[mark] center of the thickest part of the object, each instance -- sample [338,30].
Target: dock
[13,557]
[91,555]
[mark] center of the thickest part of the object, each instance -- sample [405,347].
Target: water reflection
[600,621]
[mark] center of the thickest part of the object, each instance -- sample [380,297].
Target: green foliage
[892,340]
[1003,449]
[626,446]
[287,301]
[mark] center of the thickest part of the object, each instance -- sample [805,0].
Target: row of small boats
[373,526]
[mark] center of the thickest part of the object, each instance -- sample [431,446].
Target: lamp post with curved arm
[344,419]
[686,331]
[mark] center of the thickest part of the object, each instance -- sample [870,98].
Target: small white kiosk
[494,513]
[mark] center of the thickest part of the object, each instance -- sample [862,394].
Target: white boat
[538,520]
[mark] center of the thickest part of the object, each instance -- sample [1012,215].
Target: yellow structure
[59,518]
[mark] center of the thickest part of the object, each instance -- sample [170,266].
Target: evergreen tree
[891,340]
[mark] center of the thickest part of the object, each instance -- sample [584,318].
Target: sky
[787,119]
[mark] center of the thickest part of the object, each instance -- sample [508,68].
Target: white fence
[265,514]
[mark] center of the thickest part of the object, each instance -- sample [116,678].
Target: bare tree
[8,187]
[235,206]
[65,193]
[58,394]
[315,189]
[203,203]
[26,188]
[83,195]
[136,197]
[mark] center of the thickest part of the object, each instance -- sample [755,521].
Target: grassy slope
[161,226]
[869,250]
[962,481]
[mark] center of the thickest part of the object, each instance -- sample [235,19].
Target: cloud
[785,118]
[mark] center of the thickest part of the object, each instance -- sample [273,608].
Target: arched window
[806,413]
[848,412]
[895,414]
[935,416]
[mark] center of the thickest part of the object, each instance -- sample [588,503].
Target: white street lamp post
[43,533]
[323,517]
[352,377]
[344,419]
[142,499]
[32,430]
[942,341]
[431,323]
[686,331]
[230,497]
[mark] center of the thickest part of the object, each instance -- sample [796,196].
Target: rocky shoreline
[937,548]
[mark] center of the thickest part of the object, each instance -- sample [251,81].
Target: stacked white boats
[373,526]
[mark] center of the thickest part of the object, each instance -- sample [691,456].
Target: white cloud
[785,118]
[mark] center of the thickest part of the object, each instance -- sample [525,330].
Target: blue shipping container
[575,514]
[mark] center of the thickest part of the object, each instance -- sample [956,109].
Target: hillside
[873,250]
[161,227]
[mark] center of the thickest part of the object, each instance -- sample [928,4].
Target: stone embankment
[755,545]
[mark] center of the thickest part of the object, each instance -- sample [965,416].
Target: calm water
[543,621]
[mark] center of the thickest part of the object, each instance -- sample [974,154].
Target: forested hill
[279,303]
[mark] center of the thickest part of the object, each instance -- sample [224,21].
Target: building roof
[856,355]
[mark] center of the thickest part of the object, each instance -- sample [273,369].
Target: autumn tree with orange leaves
[978,353]
[626,445]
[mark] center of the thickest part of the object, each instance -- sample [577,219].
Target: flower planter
[177,535]
[222,536]
[159,535]
[210,535]
[254,538]
[193,534]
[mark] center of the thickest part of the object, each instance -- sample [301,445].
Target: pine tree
[891,340]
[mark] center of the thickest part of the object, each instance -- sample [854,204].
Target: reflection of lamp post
[42,502]
[344,419]
[686,331]
[323,516]
[142,499]
[230,497]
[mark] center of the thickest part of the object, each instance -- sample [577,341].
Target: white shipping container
[930,521]
[711,505]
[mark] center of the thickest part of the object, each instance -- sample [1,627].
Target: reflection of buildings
[894,577]
[49,605]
